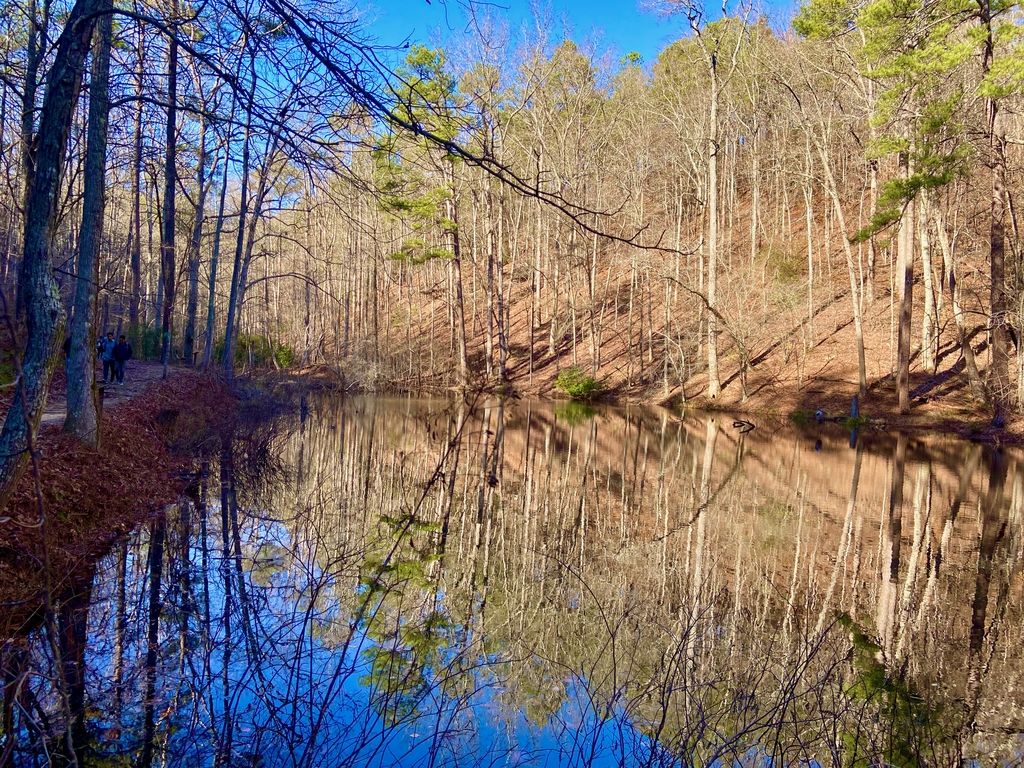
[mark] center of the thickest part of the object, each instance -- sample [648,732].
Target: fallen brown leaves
[91,497]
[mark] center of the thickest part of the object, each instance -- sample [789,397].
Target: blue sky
[618,24]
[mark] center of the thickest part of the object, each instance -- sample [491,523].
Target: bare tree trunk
[193,247]
[35,50]
[755,191]
[489,325]
[714,380]
[35,47]
[503,301]
[215,257]
[858,323]
[233,299]
[83,408]
[966,350]
[872,252]
[460,312]
[929,320]
[167,253]
[999,374]
[905,272]
[809,211]
[595,344]
[43,307]
[83,413]
[553,329]
[135,231]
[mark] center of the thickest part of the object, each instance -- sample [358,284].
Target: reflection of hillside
[411,582]
[578,517]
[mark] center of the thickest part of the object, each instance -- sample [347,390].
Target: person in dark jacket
[106,350]
[122,354]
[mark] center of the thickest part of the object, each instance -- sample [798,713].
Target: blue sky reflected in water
[414,582]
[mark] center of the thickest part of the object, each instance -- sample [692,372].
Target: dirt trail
[138,376]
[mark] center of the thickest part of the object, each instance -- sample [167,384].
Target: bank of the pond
[92,496]
[955,413]
[939,404]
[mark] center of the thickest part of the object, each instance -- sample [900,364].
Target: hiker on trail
[106,349]
[122,354]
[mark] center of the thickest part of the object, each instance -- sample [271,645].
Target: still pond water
[385,582]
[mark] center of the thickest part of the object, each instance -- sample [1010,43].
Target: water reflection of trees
[425,583]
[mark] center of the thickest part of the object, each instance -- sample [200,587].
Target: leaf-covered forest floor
[795,369]
[794,372]
[152,430]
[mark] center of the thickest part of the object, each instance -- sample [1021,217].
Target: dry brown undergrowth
[93,496]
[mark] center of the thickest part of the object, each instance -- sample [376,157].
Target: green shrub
[254,350]
[284,355]
[6,366]
[855,422]
[787,266]
[577,384]
[146,341]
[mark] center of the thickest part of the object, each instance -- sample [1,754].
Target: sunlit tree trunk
[135,227]
[458,308]
[489,325]
[929,320]
[905,278]
[234,299]
[999,374]
[949,270]
[211,306]
[714,381]
[858,323]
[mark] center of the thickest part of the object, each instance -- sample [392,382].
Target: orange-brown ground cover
[93,496]
[794,370]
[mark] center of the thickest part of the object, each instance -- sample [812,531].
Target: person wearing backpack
[106,349]
[122,354]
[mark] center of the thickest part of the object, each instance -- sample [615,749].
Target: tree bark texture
[193,248]
[44,313]
[999,369]
[135,233]
[167,250]
[905,274]
[215,259]
[83,413]
[714,380]
[233,299]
